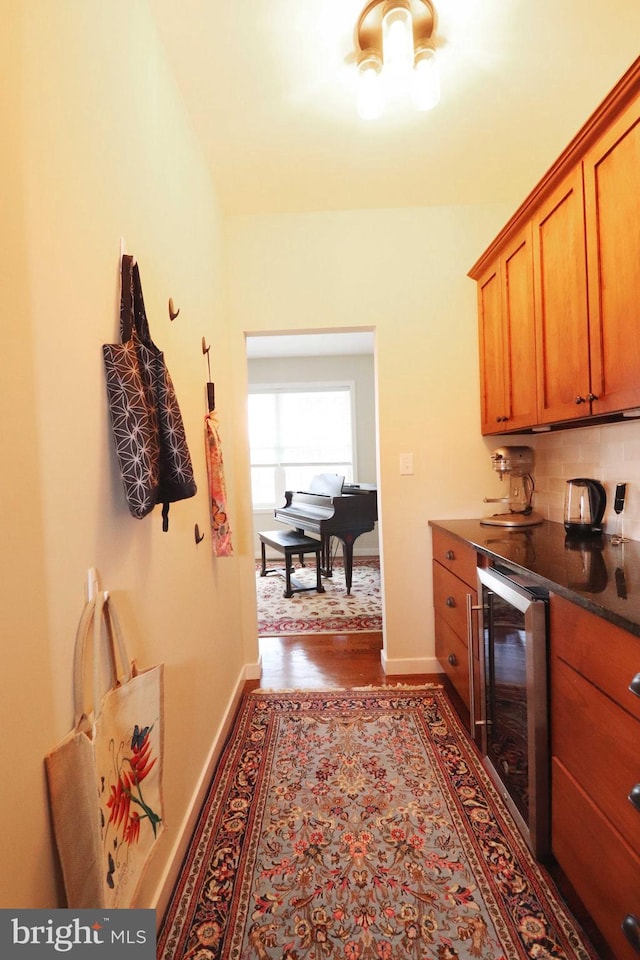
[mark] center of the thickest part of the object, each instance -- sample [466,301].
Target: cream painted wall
[403,273]
[96,146]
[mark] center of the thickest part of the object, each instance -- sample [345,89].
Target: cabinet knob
[450,601]
[631,929]
[450,555]
[634,686]
[453,660]
[634,796]
[592,396]
[581,399]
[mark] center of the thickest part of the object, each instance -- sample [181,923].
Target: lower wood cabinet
[595,768]
[454,596]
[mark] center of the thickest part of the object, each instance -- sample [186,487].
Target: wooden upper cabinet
[560,271]
[507,339]
[559,287]
[612,206]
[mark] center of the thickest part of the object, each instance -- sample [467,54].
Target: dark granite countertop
[596,574]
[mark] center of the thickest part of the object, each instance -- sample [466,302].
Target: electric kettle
[584,506]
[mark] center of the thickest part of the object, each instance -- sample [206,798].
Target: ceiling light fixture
[396,55]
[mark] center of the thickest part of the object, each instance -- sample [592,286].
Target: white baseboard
[404,666]
[253,671]
[167,881]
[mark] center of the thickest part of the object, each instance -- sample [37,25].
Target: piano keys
[345,515]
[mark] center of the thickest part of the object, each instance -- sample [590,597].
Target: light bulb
[426,79]
[397,40]
[369,88]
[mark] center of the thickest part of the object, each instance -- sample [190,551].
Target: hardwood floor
[308,661]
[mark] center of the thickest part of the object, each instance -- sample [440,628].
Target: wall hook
[199,537]
[211,401]
[173,313]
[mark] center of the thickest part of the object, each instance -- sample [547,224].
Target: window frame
[319,386]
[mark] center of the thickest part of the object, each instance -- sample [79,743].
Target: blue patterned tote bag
[148,430]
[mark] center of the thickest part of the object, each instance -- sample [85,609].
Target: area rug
[333,611]
[359,825]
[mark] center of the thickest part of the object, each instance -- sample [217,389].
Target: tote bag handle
[133,316]
[89,640]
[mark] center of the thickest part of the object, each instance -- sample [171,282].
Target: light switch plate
[406,464]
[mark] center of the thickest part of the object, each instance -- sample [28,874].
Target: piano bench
[290,543]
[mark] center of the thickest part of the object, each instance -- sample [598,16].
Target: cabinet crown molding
[624,92]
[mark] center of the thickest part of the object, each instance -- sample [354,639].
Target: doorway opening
[314,402]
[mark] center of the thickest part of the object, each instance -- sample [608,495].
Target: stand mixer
[516,464]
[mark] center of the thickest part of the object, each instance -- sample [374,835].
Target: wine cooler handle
[631,930]
[472,696]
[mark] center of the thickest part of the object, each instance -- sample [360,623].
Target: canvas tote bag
[148,430]
[105,777]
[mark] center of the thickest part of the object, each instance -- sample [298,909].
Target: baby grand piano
[332,508]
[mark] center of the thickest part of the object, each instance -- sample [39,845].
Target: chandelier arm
[370,23]
[361,19]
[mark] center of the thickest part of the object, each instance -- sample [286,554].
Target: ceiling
[270,88]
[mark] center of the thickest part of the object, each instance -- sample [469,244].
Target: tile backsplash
[609,453]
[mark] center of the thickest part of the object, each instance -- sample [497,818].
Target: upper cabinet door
[519,335]
[507,339]
[493,404]
[612,205]
[560,276]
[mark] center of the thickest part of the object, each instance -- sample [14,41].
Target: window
[295,433]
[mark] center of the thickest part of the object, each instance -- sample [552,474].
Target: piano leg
[348,540]
[327,570]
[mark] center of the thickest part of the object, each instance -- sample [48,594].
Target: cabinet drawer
[604,871]
[598,743]
[454,657]
[600,651]
[458,557]
[450,599]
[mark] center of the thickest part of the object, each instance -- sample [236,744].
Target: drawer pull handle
[450,601]
[634,686]
[449,555]
[634,796]
[453,660]
[631,929]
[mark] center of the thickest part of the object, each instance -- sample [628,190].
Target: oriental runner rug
[360,825]
[333,611]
